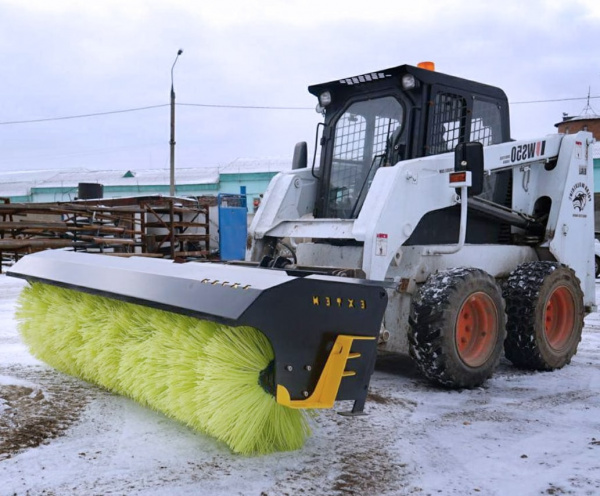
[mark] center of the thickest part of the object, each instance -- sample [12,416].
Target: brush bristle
[198,372]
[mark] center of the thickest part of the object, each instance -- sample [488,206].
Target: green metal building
[63,185]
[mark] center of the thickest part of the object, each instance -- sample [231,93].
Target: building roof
[587,116]
[19,183]
[575,118]
[256,165]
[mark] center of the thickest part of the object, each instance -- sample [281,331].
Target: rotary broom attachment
[201,373]
[240,361]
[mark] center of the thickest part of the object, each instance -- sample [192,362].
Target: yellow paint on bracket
[329,383]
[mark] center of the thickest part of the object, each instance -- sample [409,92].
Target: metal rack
[155,226]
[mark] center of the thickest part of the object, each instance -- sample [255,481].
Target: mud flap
[323,329]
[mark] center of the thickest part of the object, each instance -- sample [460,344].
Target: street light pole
[172,142]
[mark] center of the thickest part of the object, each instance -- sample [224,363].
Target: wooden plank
[39,227]
[18,244]
[177,224]
[192,237]
[108,241]
[201,253]
[127,255]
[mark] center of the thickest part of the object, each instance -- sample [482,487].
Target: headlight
[409,82]
[325,99]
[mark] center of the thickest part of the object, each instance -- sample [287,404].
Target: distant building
[587,121]
[62,185]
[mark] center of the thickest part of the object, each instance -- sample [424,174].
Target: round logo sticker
[580,196]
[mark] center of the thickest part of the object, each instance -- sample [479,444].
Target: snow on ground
[522,434]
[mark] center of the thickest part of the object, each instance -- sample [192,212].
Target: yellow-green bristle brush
[201,373]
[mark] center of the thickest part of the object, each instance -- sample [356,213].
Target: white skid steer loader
[482,247]
[423,230]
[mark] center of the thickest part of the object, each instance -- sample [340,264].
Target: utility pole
[172,142]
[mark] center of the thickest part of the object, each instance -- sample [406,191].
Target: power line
[260,107]
[62,118]
[250,107]
[137,109]
[556,100]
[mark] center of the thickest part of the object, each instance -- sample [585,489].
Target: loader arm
[408,191]
[556,167]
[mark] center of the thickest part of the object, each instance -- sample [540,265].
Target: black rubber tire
[434,327]
[597,266]
[528,292]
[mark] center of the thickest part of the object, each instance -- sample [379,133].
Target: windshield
[364,136]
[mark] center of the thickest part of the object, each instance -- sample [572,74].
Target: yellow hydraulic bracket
[329,383]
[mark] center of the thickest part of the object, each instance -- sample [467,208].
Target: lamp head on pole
[179,52]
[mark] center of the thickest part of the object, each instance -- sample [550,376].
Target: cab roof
[393,76]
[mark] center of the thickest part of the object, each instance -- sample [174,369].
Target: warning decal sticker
[381,243]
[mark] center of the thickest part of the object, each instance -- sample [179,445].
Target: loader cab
[379,119]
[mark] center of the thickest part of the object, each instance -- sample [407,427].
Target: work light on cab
[325,99]
[409,82]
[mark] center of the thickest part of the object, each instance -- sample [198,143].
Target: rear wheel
[544,304]
[458,327]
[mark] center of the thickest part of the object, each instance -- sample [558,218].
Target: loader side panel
[441,226]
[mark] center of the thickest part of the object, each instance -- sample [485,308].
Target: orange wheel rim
[476,329]
[559,318]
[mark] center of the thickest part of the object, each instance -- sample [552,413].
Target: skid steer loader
[487,243]
[424,229]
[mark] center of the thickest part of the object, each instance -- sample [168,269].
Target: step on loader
[424,229]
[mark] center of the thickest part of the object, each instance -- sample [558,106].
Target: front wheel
[458,327]
[544,303]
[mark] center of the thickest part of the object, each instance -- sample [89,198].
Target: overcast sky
[65,57]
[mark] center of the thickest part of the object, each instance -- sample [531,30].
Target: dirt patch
[378,398]
[370,471]
[383,399]
[36,405]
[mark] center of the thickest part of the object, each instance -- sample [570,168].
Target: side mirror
[300,153]
[469,157]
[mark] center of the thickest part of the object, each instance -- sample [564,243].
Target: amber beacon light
[430,66]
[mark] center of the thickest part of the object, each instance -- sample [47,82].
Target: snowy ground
[522,434]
